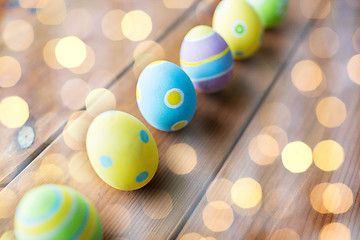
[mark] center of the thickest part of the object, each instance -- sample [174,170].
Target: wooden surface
[210,173]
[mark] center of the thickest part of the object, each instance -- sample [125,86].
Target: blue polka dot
[144,136]
[106,161]
[142,176]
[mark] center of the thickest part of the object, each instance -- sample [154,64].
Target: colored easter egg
[271,12]
[166,96]
[56,212]
[206,58]
[122,150]
[240,26]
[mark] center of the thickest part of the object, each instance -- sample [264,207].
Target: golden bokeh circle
[18,35]
[87,64]
[328,155]
[8,202]
[49,54]
[310,8]
[10,71]
[100,100]
[263,149]
[75,131]
[136,25]
[306,75]
[158,206]
[324,42]
[353,68]
[285,234]
[296,157]
[181,158]
[14,112]
[71,99]
[183,4]
[110,25]
[246,193]
[50,173]
[51,12]
[335,231]
[70,52]
[316,198]
[337,198]
[331,112]
[218,216]
[356,40]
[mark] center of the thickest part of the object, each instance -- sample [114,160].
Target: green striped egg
[56,212]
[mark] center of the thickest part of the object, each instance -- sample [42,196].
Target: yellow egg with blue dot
[240,26]
[56,212]
[166,96]
[122,150]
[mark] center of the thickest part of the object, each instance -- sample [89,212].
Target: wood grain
[285,210]
[159,210]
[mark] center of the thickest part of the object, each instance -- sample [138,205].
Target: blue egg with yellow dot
[56,212]
[166,96]
[122,150]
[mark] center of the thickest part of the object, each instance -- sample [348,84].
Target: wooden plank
[43,88]
[321,202]
[189,159]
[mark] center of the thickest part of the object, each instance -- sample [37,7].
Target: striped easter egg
[206,58]
[56,212]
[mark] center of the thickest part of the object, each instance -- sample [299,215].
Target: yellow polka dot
[174,98]
[138,97]
[179,125]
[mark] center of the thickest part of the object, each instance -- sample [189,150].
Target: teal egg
[56,212]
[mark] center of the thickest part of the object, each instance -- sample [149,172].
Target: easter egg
[166,96]
[240,26]
[206,58]
[271,12]
[56,212]
[121,150]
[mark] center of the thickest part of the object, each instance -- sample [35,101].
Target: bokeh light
[56,159]
[87,64]
[316,197]
[80,168]
[337,198]
[8,202]
[331,112]
[279,203]
[296,157]
[10,71]
[118,212]
[18,35]
[263,149]
[324,42]
[100,100]
[74,99]
[275,113]
[49,54]
[110,25]
[356,40]
[158,206]
[277,133]
[177,3]
[218,216]
[78,22]
[32,3]
[353,69]
[70,52]
[246,193]
[180,158]
[285,234]
[328,155]
[219,190]
[306,75]
[310,8]
[136,25]
[50,173]
[75,131]
[195,236]
[14,112]
[335,231]
[51,12]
